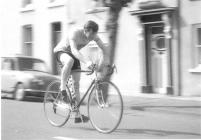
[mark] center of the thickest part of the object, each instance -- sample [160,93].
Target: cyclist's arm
[76,53]
[105,59]
[61,44]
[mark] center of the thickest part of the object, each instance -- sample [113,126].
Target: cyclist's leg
[67,62]
[76,85]
[76,79]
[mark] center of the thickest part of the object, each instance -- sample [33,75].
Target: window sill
[28,8]
[196,69]
[56,4]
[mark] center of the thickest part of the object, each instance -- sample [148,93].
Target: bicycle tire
[52,93]
[100,121]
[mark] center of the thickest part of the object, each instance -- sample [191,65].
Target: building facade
[158,45]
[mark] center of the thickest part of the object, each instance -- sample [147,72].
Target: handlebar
[111,69]
[92,69]
[90,72]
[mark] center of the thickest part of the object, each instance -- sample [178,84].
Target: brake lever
[113,67]
[92,71]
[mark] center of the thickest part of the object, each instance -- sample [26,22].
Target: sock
[63,92]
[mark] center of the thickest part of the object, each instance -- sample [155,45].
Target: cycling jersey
[78,36]
[64,46]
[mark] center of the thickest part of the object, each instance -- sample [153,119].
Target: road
[25,120]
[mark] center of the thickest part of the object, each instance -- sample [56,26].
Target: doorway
[55,38]
[158,58]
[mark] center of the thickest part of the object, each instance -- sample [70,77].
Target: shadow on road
[143,108]
[33,99]
[146,132]
[27,99]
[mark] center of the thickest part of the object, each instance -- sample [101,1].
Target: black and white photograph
[100,69]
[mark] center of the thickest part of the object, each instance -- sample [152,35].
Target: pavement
[163,103]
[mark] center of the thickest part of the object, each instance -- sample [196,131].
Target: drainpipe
[179,47]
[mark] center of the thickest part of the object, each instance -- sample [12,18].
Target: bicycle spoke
[105,111]
[50,97]
[56,110]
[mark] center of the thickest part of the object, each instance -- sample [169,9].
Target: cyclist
[68,55]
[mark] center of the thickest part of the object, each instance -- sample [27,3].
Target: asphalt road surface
[25,120]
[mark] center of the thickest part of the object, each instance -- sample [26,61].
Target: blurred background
[157,49]
[155,44]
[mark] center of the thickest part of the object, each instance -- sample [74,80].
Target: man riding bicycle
[69,56]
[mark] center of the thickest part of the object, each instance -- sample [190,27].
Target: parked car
[23,76]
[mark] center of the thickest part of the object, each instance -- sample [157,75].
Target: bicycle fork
[99,96]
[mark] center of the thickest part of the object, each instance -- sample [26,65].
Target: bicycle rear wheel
[105,107]
[56,110]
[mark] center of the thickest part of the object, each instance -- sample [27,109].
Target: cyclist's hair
[91,25]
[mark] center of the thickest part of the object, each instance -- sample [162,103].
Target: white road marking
[64,138]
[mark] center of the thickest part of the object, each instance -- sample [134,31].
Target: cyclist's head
[90,29]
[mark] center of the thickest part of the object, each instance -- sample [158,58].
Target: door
[56,36]
[159,63]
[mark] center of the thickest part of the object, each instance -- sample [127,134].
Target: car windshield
[32,64]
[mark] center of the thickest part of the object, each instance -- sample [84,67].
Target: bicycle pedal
[104,105]
[72,116]
[74,108]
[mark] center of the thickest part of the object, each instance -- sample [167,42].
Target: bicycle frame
[97,92]
[89,90]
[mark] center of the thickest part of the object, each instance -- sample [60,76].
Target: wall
[190,14]
[127,55]
[10,41]
[41,18]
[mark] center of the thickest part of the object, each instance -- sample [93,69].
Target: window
[199,37]
[56,3]
[52,0]
[27,40]
[7,64]
[198,44]
[27,6]
[56,28]
[55,38]
[26,3]
[196,48]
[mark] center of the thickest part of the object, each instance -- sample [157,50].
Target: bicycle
[104,100]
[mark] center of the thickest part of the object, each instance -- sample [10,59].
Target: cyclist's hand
[110,69]
[90,65]
[106,71]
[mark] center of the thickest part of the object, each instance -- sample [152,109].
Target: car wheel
[19,92]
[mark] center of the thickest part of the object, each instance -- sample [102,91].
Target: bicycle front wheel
[105,107]
[56,110]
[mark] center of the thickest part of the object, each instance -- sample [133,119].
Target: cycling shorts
[76,64]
